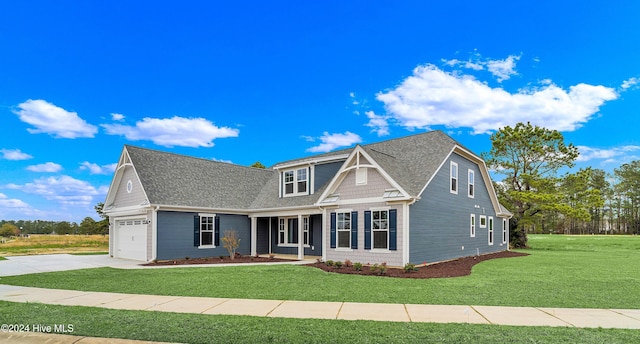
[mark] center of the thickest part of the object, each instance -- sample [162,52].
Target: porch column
[300,238]
[254,236]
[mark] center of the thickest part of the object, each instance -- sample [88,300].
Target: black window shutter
[332,230]
[367,230]
[196,230]
[216,231]
[393,229]
[354,230]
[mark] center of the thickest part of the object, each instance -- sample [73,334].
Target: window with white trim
[483,221]
[505,230]
[472,226]
[296,182]
[472,180]
[490,230]
[380,229]
[453,186]
[206,230]
[343,229]
[288,230]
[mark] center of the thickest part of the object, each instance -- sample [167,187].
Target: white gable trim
[357,152]
[125,160]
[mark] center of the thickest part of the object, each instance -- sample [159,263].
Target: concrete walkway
[517,316]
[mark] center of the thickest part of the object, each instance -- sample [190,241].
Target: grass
[90,253]
[197,328]
[562,271]
[49,244]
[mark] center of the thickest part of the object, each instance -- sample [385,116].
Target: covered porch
[293,234]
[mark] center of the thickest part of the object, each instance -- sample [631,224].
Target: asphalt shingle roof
[172,179]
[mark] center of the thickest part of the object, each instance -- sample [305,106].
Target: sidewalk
[516,316]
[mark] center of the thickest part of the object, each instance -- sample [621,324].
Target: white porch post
[300,238]
[324,234]
[270,235]
[254,236]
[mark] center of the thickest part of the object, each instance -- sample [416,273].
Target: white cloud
[629,83]
[379,123]
[94,168]
[117,117]
[14,154]
[176,131]
[46,167]
[432,96]
[503,69]
[610,155]
[50,119]
[6,202]
[333,141]
[62,189]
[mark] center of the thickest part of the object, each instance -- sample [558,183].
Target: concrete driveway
[22,265]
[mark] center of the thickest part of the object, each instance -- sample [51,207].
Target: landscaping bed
[452,268]
[217,260]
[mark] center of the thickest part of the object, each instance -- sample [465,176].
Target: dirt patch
[217,260]
[454,268]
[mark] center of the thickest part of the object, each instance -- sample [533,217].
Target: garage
[131,239]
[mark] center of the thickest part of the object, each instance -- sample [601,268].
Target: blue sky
[272,81]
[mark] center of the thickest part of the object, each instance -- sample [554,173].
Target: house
[421,198]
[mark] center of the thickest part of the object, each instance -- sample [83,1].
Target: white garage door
[131,239]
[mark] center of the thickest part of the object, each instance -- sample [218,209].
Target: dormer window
[296,182]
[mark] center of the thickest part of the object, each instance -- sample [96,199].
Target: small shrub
[221,257]
[187,258]
[338,264]
[318,260]
[357,266]
[382,269]
[347,263]
[409,267]
[374,267]
[329,262]
[271,256]
[231,241]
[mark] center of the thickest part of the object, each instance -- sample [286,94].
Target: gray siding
[175,235]
[135,197]
[440,220]
[324,173]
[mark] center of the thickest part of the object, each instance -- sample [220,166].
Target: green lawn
[196,328]
[562,271]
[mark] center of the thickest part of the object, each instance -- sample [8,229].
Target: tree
[231,241]
[88,226]
[529,157]
[102,226]
[9,230]
[258,164]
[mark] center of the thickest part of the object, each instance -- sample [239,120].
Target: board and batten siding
[133,198]
[175,235]
[375,187]
[323,173]
[440,220]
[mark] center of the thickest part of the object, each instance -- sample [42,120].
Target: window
[472,226]
[288,230]
[305,230]
[361,176]
[380,228]
[490,230]
[343,227]
[471,183]
[505,230]
[454,178]
[206,230]
[483,221]
[296,181]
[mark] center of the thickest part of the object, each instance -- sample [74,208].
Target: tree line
[545,198]
[87,226]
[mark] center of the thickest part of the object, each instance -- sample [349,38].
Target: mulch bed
[217,260]
[453,268]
